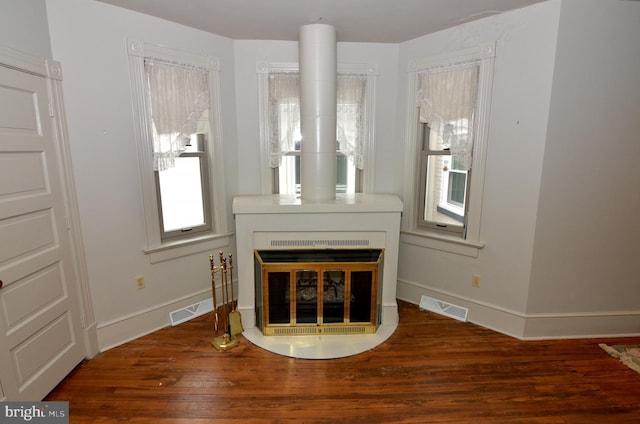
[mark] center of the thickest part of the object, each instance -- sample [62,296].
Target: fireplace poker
[225,291]
[213,287]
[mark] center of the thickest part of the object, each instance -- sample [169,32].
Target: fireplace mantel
[285,221]
[343,203]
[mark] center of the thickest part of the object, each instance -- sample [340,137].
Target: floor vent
[190,312]
[444,308]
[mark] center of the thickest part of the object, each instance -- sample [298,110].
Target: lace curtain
[179,94]
[350,116]
[447,101]
[284,115]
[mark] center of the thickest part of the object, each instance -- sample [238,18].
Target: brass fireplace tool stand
[227,340]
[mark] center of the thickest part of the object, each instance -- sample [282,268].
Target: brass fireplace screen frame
[341,285]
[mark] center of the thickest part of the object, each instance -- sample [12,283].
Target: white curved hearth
[321,346]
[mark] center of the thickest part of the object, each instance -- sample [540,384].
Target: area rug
[627,354]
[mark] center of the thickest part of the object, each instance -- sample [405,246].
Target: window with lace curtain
[179,109]
[447,127]
[280,120]
[176,107]
[447,102]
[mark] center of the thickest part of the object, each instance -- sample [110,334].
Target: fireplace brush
[235,319]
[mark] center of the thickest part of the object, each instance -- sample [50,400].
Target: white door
[40,331]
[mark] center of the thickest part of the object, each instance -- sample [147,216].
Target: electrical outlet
[140,282]
[475,281]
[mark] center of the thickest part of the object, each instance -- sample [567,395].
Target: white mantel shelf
[343,203]
[262,220]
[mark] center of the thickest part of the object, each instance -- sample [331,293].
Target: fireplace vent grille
[293,331]
[319,243]
[329,330]
[344,330]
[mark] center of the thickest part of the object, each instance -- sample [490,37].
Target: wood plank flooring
[432,370]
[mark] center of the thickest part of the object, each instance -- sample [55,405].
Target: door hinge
[51,113]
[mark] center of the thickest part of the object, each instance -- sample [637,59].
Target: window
[178,104]
[280,120]
[447,99]
[178,133]
[183,192]
[446,127]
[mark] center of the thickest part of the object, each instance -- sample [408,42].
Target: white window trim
[485,54]
[157,249]
[264,68]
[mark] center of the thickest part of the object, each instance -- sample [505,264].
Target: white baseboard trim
[582,325]
[531,326]
[90,334]
[130,327]
[489,316]
[511,323]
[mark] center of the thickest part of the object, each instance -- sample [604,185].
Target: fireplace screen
[331,291]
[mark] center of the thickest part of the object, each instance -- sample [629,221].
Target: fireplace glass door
[318,291]
[306,301]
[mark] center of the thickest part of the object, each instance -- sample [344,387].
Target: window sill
[178,248]
[433,240]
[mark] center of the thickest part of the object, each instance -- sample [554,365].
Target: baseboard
[502,320]
[486,315]
[583,326]
[90,334]
[124,329]
[531,326]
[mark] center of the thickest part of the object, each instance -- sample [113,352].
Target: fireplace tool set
[230,322]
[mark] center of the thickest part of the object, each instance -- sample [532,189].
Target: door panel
[21,174]
[27,234]
[31,294]
[19,109]
[40,330]
[35,353]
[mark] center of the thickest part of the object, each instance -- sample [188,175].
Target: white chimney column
[318,69]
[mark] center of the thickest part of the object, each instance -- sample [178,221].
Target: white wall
[586,242]
[524,62]
[88,38]
[249,52]
[560,204]
[24,27]
[519,265]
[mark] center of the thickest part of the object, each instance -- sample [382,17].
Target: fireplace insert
[318,291]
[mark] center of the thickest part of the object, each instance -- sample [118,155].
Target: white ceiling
[378,21]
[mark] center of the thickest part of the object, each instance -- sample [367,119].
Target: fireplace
[317,291]
[319,233]
[318,222]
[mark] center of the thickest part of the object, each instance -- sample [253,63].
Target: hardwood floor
[432,370]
